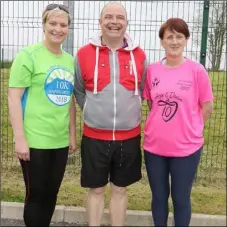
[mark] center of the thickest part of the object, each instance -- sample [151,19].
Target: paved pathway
[10,222]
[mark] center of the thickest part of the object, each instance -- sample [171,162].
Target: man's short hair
[113,3]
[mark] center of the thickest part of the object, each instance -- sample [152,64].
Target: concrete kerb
[11,210]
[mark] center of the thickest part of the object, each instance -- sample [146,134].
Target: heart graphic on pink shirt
[170,109]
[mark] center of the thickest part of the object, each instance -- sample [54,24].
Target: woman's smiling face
[173,42]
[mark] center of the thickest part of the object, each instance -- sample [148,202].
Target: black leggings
[43,175]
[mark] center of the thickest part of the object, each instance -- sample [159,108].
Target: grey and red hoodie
[108,86]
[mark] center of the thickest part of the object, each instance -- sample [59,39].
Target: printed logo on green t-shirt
[59,85]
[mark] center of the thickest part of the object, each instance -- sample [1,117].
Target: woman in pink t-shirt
[179,95]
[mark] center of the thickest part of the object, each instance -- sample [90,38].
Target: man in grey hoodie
[109,77]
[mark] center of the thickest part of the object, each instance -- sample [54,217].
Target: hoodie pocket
[128,116]
[103,78]
[103,74]
[127,76]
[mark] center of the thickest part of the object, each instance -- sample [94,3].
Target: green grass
[208,196]
[5,64]
[207,200]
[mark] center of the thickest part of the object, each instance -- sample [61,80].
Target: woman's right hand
[22,150]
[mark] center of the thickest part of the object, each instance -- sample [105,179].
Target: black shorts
[116,161]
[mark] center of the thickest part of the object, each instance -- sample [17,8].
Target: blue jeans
[182,171]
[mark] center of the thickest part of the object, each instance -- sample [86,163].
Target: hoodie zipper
[114,84]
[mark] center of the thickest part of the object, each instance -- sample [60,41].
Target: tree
[216,39]
[216,36]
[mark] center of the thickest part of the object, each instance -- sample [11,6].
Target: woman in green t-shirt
[42,114]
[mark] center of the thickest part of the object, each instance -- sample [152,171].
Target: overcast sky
[21,23]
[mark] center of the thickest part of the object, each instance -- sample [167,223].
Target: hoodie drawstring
[135,72]
[96,70]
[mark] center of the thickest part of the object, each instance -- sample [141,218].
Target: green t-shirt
[48,80]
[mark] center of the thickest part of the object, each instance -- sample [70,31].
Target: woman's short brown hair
[174,24]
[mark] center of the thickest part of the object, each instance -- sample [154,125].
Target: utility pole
[68,44]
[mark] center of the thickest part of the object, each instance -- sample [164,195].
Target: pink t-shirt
[174,127]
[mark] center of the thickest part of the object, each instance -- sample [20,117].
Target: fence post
[2,58]
[206,6]
[69,41]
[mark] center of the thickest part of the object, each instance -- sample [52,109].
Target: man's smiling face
[113,21]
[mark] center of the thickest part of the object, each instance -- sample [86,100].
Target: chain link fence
[21,25]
